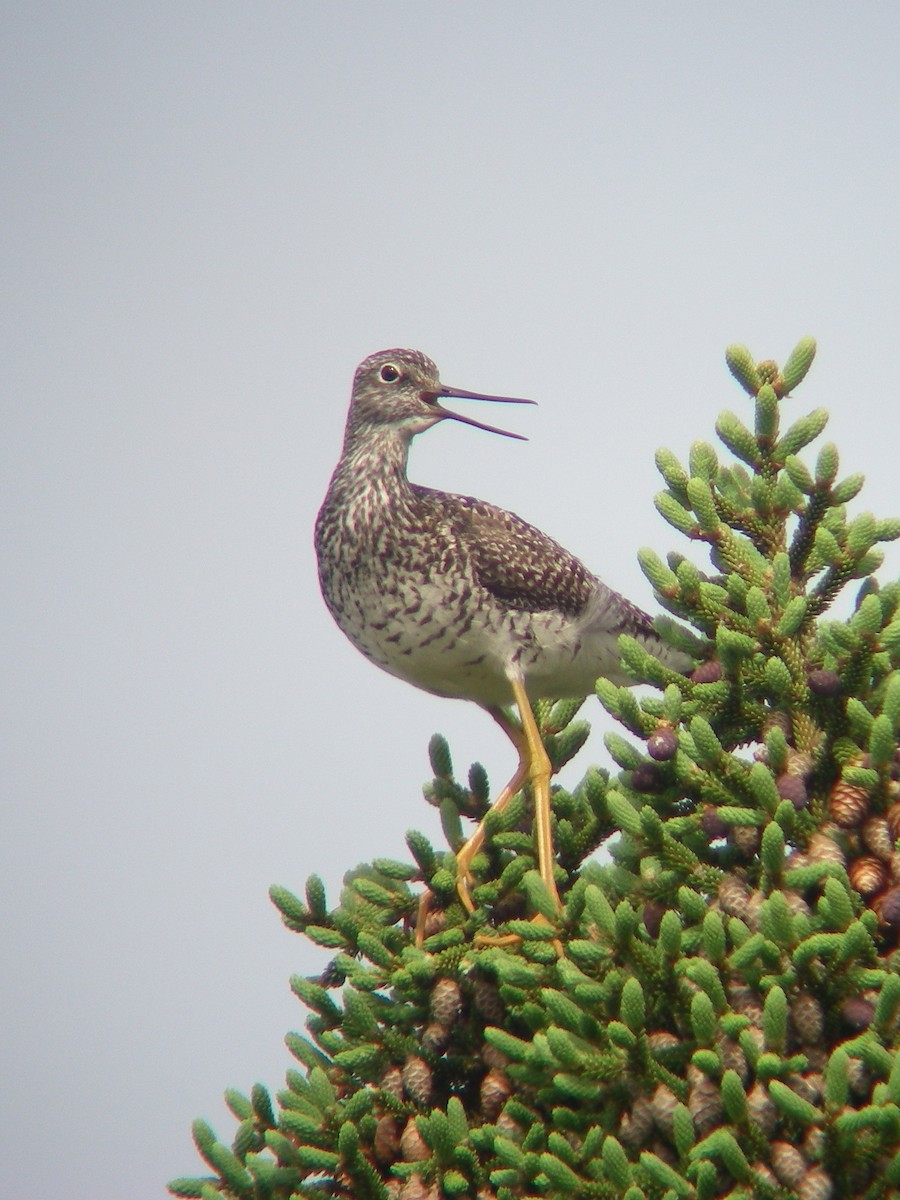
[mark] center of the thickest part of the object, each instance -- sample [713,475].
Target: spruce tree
[716,1011]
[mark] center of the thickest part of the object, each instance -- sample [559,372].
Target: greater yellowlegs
[455,595]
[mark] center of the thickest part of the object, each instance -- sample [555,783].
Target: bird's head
[402,388]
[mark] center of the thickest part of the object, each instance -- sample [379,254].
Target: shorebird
[457,596]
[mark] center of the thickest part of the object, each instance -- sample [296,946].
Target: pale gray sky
[211,211]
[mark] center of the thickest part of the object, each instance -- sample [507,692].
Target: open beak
[460,394]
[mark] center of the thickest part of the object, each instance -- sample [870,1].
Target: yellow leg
[422,916]
[539,770]
[533,765]
[476,841]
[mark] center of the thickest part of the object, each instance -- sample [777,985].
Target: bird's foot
[422,917]
[430,919]
[464,885]
[505,940]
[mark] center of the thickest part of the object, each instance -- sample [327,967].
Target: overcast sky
[211,211]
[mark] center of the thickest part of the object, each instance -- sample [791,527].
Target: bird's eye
[389,373]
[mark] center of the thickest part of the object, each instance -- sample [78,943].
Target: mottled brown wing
[515,562]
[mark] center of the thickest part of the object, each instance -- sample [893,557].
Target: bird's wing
[527,570]
[515,562]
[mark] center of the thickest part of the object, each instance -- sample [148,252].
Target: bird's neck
[371,474]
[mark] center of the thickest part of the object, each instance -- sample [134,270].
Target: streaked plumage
[450,593]
[446,591]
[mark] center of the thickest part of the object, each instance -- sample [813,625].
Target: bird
[458,596]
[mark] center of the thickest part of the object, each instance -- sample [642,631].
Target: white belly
[466,644]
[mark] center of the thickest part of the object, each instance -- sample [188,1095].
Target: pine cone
[734,896]
[415,1188]
[487,1000]
[857,1013]
[435,1037]
[762,1109]
[867,875]
[704,1101]
[635,1125]
[764,1173]
[417,1079]
[746,1001]
[788,1163]
[793,788]
[664,1046]
[392,1082]
[860,1078]
[776,719]
[887,906]
[824,683]
[824,848]
[809,1019]
[492,1057]
[799,764]
[386,1141]
[745,839]
[809,1085]
[733,1058]
[848,804]
[495,1091]
[446,1001]
[662,745]
[664,1103]
[707,672]
[815,1185]
[413,1146]
[876,835]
